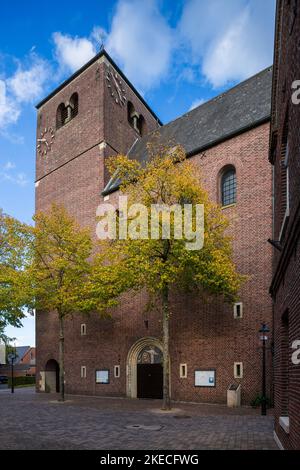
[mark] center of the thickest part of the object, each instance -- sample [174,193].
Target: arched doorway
[145,369]
[150,373]
[52,376]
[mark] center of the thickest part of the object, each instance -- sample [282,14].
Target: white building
[2,353]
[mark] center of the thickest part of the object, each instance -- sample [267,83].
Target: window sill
[284,422]
[228,206]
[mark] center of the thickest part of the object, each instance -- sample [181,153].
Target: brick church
[285,286]
[98,113]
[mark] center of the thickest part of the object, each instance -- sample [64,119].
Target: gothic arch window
[228,186]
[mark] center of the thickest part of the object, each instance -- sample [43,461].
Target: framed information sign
[205,378]
[102,376]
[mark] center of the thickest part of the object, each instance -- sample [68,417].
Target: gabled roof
[102,53]
[21,351]
[244,106]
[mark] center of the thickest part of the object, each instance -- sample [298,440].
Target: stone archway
[132,360]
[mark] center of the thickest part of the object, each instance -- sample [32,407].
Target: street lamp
[264,330]
[11,358]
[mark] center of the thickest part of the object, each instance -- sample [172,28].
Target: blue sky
[177,53]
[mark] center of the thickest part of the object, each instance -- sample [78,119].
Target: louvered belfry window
[74,105]
[284,171]
[228,187]
[60,115]
[66,112]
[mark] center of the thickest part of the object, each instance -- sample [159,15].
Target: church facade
[97,113]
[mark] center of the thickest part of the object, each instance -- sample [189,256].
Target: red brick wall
[286,264]
[29,357]
[203,335]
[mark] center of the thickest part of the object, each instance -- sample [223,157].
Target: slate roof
[235,111]
[21,351]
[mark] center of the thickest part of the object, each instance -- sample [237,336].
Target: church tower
[97,113]
[94,114]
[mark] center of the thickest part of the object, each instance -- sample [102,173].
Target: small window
[83,372]
[238,310]
[117,371]
[183,371]
[83,329]
[238,370]
[228,187]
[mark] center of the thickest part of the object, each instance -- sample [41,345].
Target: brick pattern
[97,423]
[286,264]
[203,334]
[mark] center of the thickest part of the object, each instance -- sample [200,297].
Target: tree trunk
[166,355]
[61,358]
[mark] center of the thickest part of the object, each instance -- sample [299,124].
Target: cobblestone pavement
[39,421]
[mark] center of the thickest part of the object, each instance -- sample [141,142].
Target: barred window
[228,187]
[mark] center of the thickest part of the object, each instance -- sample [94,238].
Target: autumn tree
[15,256]
[59,269]
[173,257]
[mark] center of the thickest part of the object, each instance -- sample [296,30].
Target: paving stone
[37,421]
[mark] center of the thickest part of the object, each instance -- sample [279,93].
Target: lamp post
[11,357]
[264,330]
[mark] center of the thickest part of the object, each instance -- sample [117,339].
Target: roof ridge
[78,72]
[215,98]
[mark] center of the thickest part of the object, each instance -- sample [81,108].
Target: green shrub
[258,401]
[24,380]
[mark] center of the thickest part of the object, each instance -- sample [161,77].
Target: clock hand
[117,87]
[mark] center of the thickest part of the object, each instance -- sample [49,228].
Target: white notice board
[205,378]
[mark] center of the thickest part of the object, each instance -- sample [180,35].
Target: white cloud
[235,39]
[27,84]
[9,109]
[6,174]
[20,178]
[228,40]
[71,53]
[196,103]
[9,166]
[142,41]
[99,36]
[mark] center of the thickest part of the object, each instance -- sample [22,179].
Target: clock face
[115,85]
[45,141]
